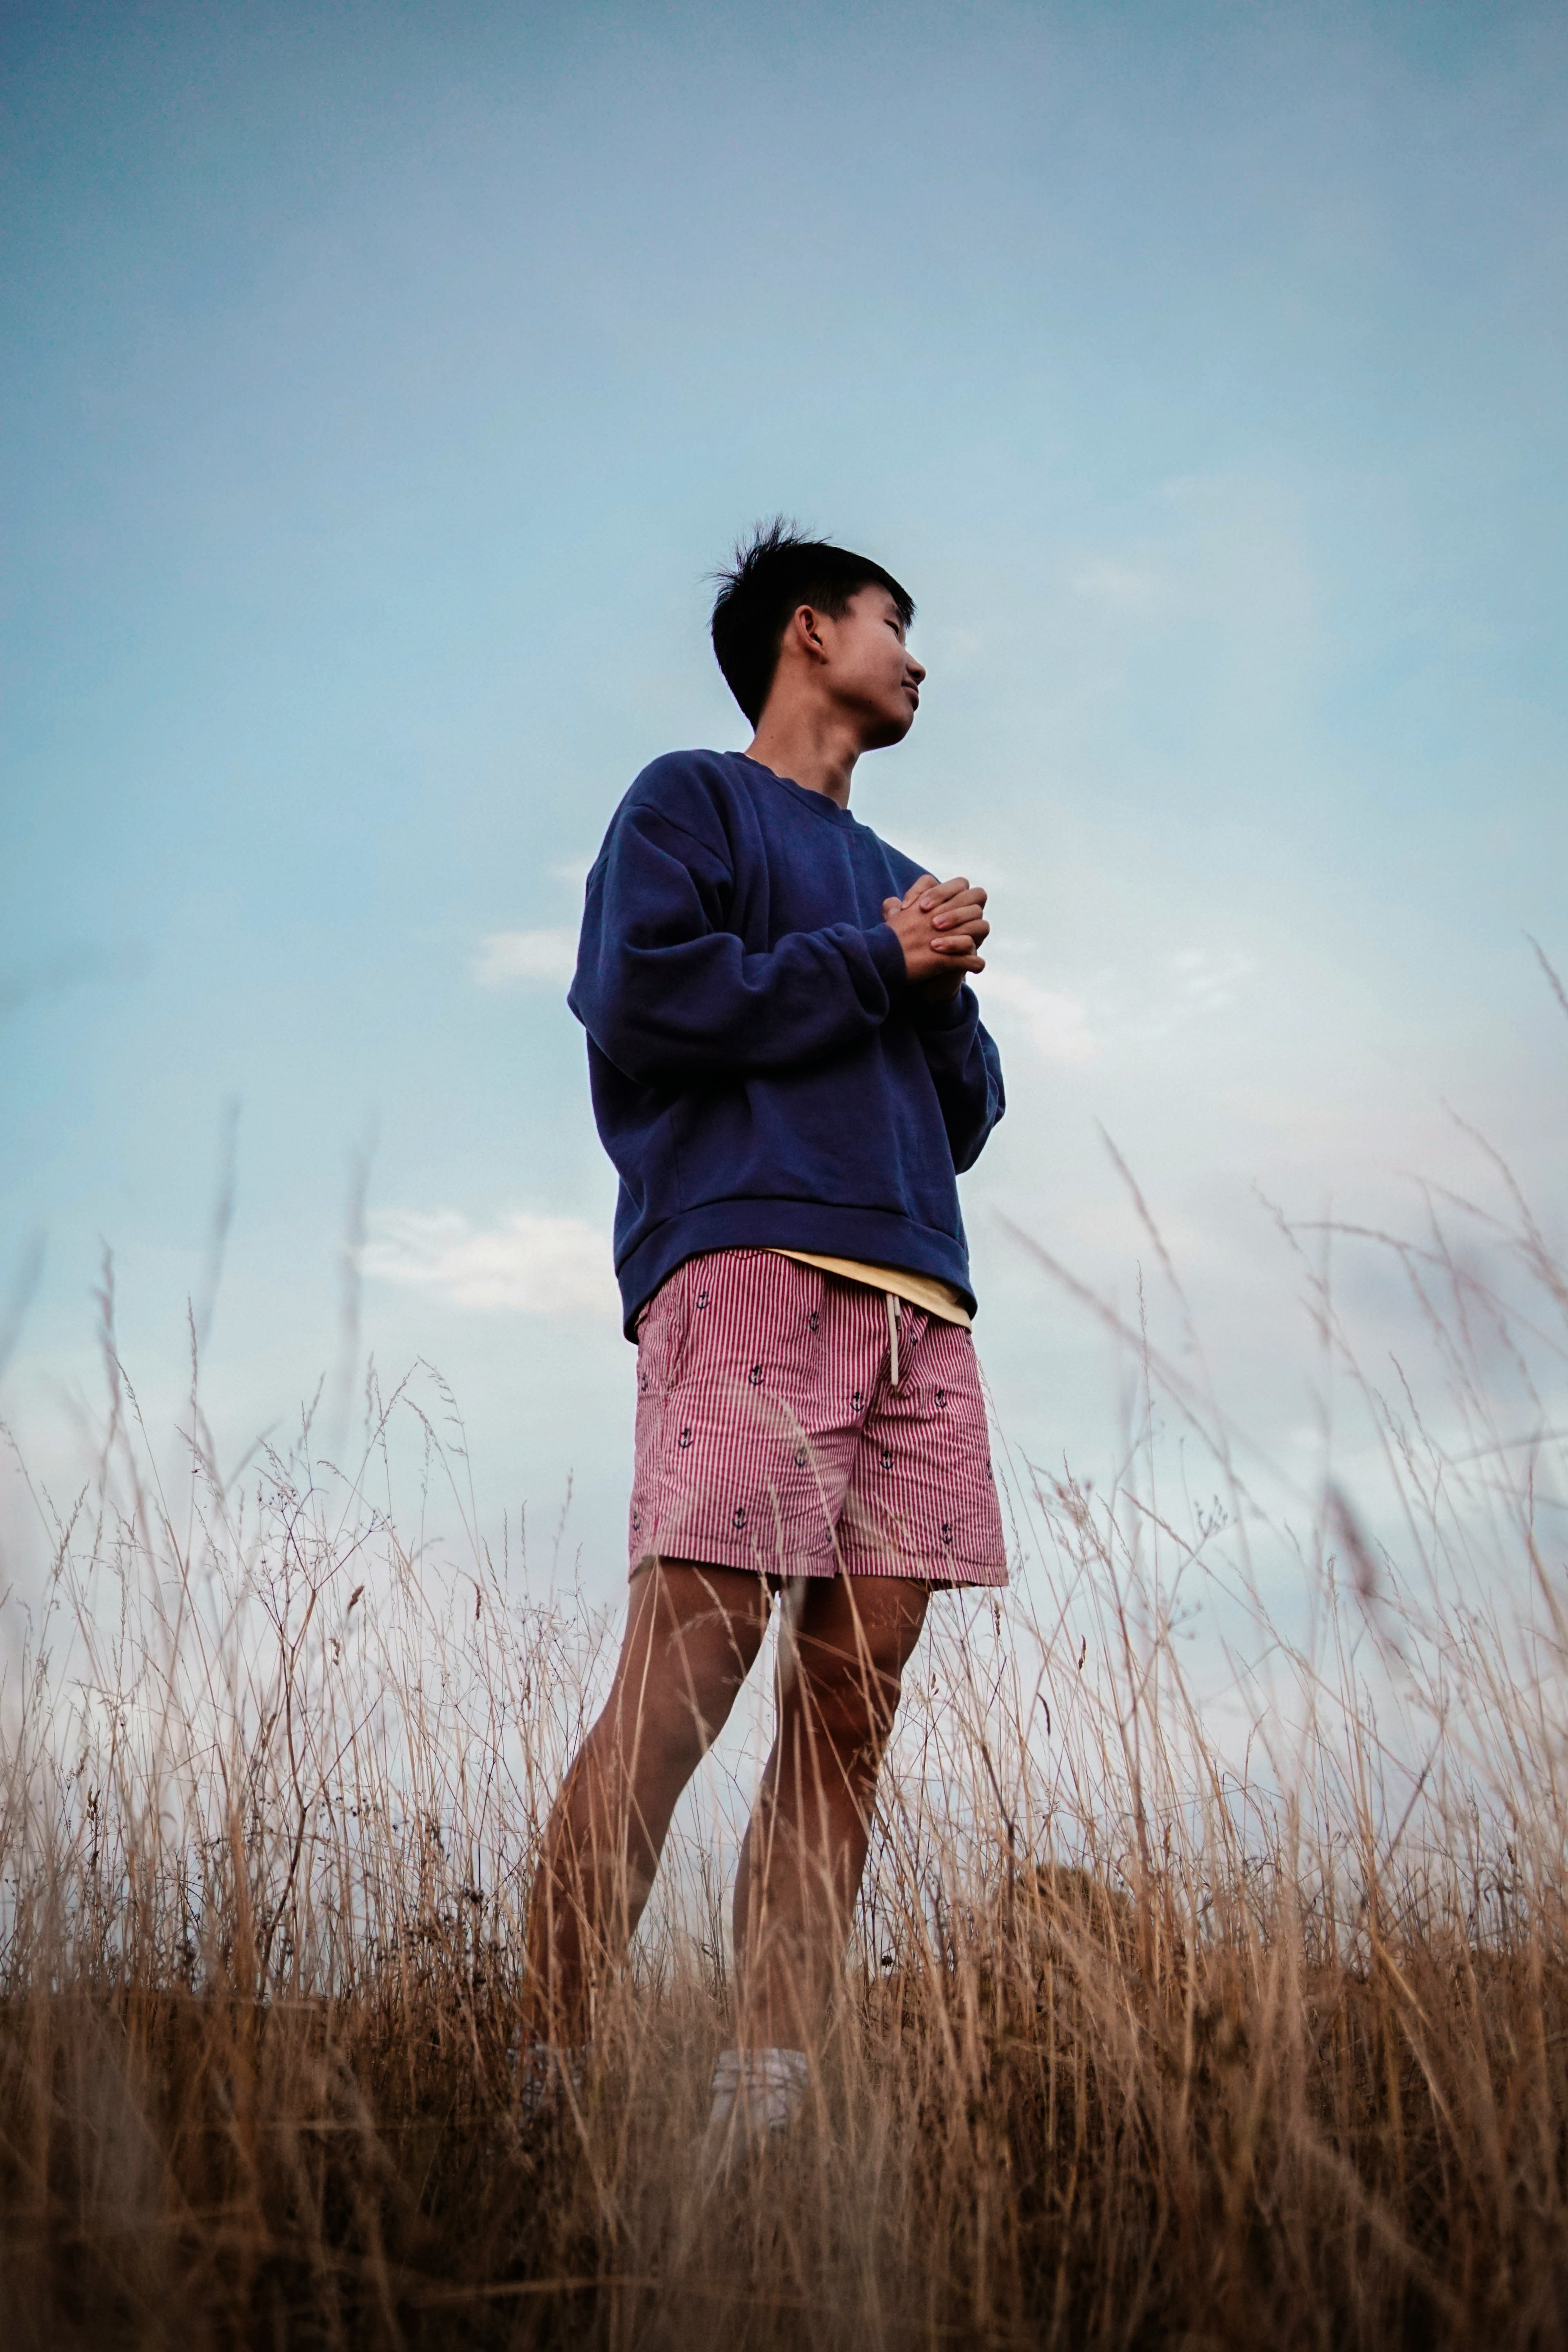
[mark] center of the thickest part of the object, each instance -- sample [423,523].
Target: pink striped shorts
[770,1436]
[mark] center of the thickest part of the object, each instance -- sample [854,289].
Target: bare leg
[845,1643]
[692,1635]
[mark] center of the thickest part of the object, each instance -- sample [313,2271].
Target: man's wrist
[941,1013]
[886,951]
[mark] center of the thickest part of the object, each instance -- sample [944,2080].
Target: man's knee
[663,1731]
[853,1699]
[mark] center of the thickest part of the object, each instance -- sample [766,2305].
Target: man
[789,1072]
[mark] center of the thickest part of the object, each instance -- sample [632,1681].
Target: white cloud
[525,1264]
[1125,589]
[1197,981]
[1055,1024]
[505,957]
[1210,979]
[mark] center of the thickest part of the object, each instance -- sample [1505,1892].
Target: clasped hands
[940,926]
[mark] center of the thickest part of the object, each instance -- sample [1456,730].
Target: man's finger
[924,882]
[972,926]
[892,906]
[938,893]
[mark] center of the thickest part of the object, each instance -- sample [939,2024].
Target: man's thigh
[841,1627]
[693,1635]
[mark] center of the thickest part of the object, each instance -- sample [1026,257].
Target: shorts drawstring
[893,1303]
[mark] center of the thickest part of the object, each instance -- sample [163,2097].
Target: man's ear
[806,622]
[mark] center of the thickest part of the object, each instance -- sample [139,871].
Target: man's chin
[890,727]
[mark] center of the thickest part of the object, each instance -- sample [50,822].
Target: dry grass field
[1237,2022]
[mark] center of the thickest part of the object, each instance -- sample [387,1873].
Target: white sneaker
[757,2094]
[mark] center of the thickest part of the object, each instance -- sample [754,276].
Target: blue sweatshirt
[762,1075]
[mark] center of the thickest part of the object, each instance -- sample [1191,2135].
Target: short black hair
[772,574]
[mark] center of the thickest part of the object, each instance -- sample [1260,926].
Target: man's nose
[917,670]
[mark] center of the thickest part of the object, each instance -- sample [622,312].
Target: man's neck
[815,748]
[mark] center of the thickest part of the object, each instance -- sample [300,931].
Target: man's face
[870,670]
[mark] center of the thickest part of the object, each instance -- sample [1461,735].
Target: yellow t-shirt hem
[926,1291]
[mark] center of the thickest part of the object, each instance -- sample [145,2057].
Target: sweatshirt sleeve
[672,997]
[966,1070]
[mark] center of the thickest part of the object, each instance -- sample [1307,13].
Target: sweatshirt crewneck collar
[821,802]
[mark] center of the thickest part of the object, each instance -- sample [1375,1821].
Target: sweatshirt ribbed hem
[880,1236]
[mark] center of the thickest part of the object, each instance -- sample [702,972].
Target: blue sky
[380,386]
